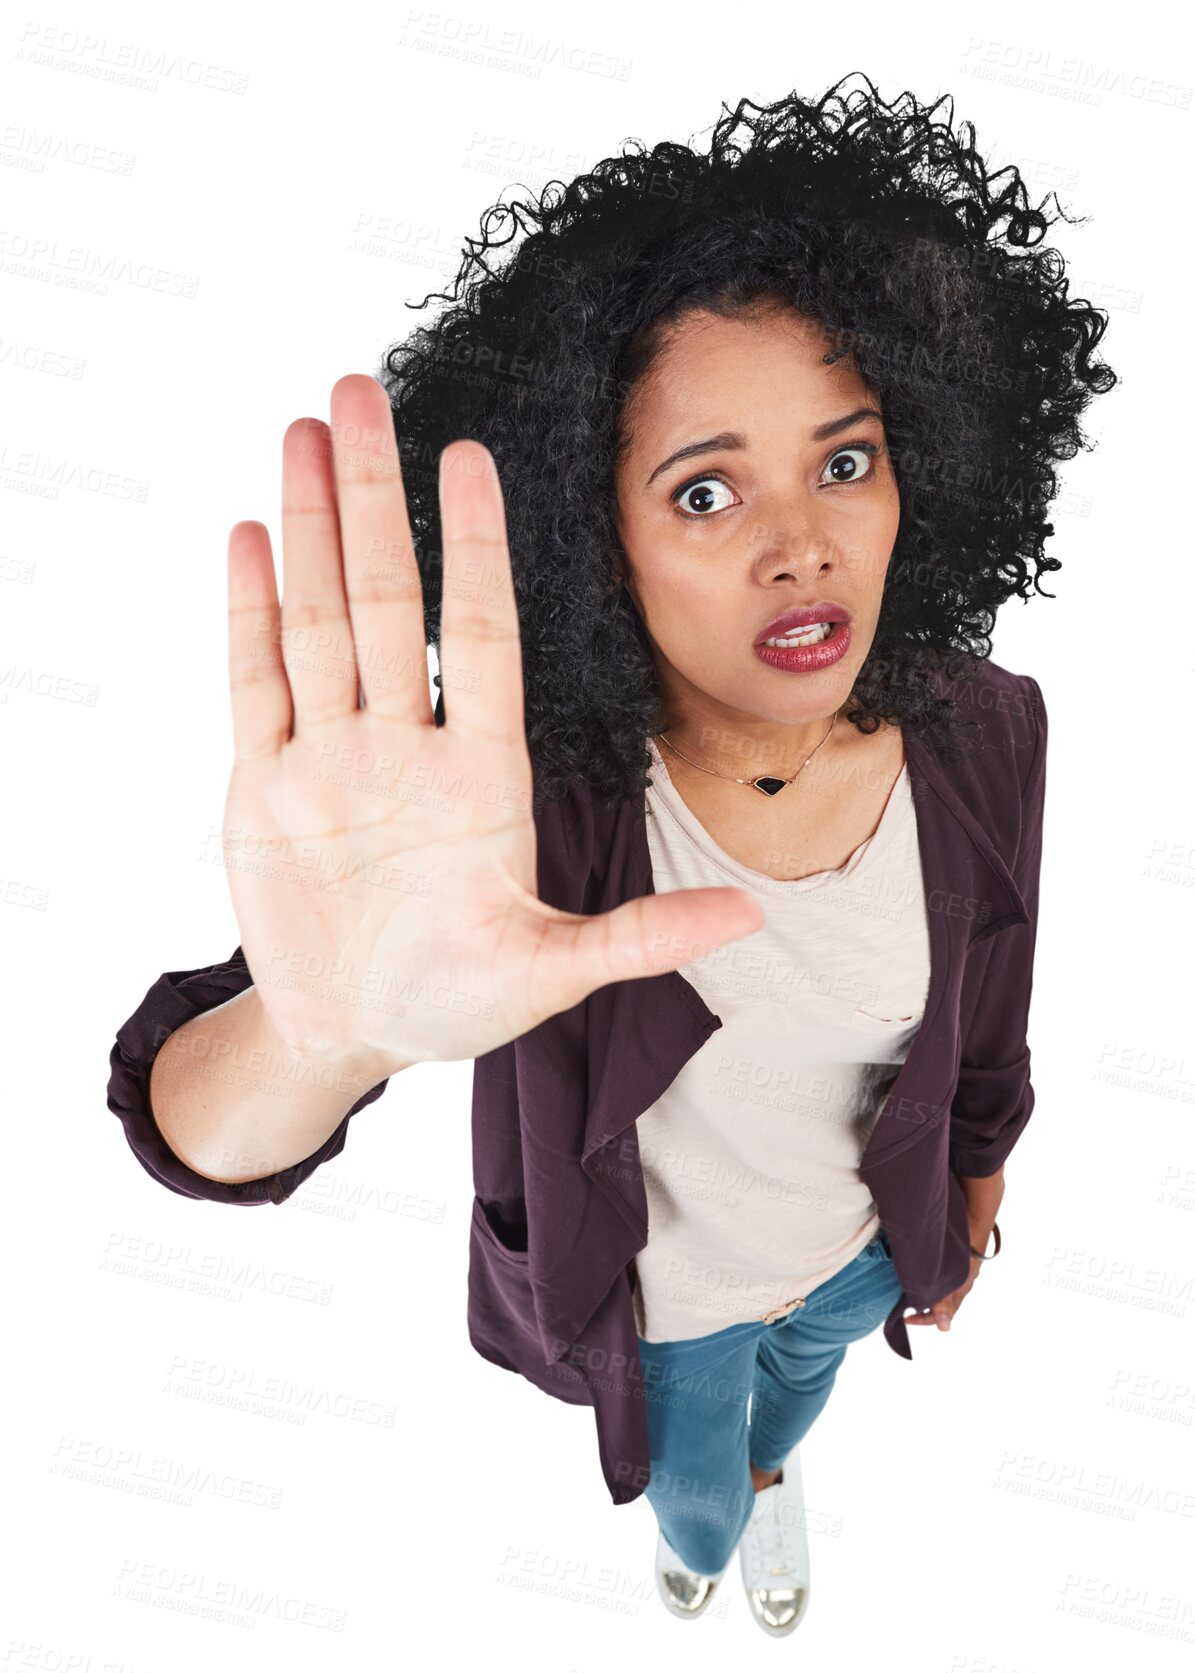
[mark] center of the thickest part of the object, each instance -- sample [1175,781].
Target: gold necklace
[767,783]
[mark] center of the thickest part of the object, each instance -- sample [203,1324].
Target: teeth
[811,635]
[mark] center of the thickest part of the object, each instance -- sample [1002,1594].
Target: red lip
[791,620]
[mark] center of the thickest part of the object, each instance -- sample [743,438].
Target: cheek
[682,600]
[889,515]
[867,554]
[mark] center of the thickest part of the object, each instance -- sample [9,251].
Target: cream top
[750,1158]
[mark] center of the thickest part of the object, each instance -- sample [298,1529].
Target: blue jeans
[703,1441]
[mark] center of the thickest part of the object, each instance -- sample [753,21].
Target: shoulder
[997,767]
[1002,716]
[591,851]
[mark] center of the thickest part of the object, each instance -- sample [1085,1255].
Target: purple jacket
[560,1211]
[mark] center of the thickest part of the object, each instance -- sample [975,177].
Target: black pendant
[769,786]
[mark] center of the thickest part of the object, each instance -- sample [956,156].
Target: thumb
[656,933]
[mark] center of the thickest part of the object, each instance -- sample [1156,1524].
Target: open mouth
[807,649]
[814,634]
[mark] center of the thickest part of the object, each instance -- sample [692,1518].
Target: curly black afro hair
[873,218]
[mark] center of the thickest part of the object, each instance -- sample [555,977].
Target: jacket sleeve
[994,1098]
[175,998]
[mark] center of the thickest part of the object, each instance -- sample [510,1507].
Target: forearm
[983,1204]
[234,1103]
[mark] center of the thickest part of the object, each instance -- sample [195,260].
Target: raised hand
[383,869]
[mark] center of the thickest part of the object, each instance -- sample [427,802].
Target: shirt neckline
[667,795]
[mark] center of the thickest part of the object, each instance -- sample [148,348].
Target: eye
[702,488]
[853,472]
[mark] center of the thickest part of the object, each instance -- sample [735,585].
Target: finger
[258,688]
[317,644]
[479,621]
[381,576]
[646,937]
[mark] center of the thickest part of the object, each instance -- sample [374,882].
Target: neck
[750,750]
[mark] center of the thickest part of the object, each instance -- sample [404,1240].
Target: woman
[758,443]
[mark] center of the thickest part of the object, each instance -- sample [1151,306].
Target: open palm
[383,869]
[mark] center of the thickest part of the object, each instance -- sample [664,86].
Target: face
[777,504]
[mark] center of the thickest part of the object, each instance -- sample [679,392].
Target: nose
[795,556]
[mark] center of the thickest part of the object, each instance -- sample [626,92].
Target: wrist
[980,1240]
[983,1197]
[356,1069]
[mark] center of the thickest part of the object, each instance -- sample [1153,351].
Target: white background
[1022,1495]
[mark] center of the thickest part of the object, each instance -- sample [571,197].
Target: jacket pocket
[503,1242]
[502,1321]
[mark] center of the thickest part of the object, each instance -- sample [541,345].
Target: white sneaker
[774,1553]
[685,1592]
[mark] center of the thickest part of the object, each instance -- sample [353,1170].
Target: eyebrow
[734,440]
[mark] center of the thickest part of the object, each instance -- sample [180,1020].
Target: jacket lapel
[657,1023]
